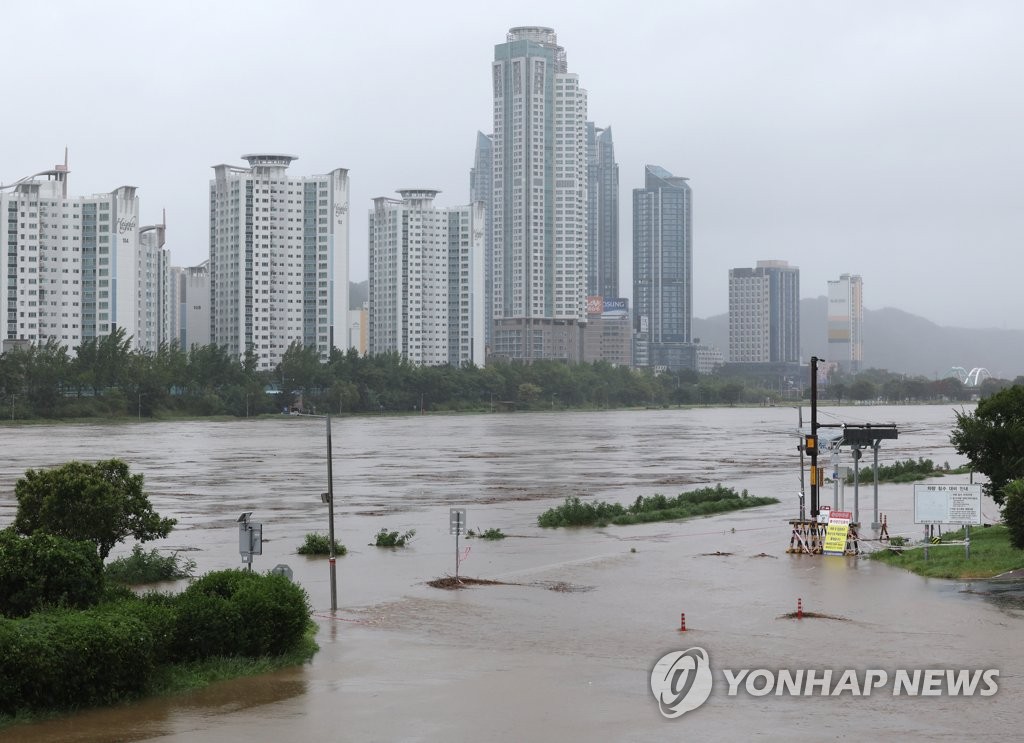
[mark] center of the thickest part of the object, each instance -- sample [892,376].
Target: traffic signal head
[811,445]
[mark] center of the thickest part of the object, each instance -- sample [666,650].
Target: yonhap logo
[681,681]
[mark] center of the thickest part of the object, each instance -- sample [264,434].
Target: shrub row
[60,658]
[701,502]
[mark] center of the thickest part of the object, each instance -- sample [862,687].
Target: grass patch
[702,502]
[149,567]
[320,544]
[385,538]
[907,471]
[991,554]
[488,534]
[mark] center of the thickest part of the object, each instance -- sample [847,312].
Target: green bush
[63,659]
[45,570]
[701,502]
[157,612]
[274,614]
[488,534]
[149,567]
[235,612]
[1013,512]
[207,623]
[899,472]
[320,544]
[385,538]
[575,512]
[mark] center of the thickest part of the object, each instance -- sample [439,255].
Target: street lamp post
[553,396]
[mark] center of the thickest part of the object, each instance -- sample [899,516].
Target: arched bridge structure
[971,378]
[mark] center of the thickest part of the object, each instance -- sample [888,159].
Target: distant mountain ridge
[897,341]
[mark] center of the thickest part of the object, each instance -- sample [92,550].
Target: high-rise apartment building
[152,303]
[764,313]
[189,305]
[278,259]
[602,214]
[539,207]
[67,265]
[481,189]
[426,283]
[663,270]
[846,322]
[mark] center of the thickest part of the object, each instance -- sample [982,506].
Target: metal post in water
[800,448]
[330,517]
[835,479]
[874,445]
[856,485]
[458,528]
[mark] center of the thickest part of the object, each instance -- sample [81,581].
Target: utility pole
[814,437]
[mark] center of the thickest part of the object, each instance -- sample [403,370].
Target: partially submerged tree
[992,438]
[102,503]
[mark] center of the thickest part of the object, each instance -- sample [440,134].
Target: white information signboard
[947,504]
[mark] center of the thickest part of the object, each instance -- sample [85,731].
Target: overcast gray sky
[877,137]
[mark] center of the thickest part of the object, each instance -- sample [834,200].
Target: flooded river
[403,661]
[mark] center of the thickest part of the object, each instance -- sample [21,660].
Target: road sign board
[947,504]
[457,521]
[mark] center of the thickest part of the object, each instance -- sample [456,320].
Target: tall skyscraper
[426,280]
[69,267]
[481,189]
[539,199]
[764,313]
[602,214]
[846,322]
[278,259]
[663,270]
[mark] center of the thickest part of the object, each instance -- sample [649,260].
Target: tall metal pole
[800,448]
[814,433]
[330,517]
[856,485]
[874,522]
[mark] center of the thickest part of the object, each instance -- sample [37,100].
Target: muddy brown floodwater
[565,650]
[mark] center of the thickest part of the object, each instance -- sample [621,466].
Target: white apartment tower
[68,270]
[539,207]
[152,304]
[278,259]
[426,280]
[846,322]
